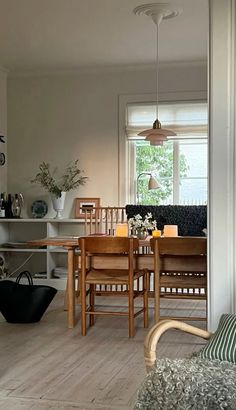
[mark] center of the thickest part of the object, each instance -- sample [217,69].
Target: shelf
[57,249]
[42,220]
[32,250]
[15,234]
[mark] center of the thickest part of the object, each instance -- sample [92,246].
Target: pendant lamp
[158,12]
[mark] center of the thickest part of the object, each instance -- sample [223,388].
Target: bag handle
[27,274]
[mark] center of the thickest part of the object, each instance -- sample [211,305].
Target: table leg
[70,289]
[66,295]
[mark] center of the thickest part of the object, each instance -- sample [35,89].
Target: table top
[70,241]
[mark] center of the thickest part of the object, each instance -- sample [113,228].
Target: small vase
[58,204]
[141,234]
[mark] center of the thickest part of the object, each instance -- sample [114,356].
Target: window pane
[167,199]
[157,161]
[193,191]
[196,157]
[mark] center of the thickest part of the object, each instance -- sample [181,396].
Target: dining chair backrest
[180,268]
[103,219]
[182,245]
[180,253]
[109,244]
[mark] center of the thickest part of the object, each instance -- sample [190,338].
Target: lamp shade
[157,135]
[152,183]
[170,230]
[122,230]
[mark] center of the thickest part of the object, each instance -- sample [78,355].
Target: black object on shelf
[9,213]
[21,303]
[3,206]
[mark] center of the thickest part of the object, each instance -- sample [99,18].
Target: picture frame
[82,204]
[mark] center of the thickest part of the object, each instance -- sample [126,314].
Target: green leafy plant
[71,178]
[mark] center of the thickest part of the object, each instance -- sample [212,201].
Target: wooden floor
[47,366]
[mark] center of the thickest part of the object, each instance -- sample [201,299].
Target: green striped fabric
[222,344]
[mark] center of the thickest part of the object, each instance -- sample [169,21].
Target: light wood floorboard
[46,366]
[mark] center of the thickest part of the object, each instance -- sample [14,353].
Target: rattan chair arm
[152,338]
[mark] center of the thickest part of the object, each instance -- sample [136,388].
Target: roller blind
[187,120]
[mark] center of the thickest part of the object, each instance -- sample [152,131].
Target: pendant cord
[157,25]
[157,12]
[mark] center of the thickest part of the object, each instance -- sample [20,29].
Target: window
[193,186]
[180,165]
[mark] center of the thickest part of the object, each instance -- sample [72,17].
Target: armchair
[201,381]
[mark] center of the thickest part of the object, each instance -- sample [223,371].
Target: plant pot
[58,204]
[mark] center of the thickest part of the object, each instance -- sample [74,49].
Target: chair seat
[203,385]
[110,276]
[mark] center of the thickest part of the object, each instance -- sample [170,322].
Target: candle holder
[156,233]
[122,230]
[170,231]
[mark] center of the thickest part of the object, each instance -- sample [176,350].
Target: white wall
[58,118]
[3,127]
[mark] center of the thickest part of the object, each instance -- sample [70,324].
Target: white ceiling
[72,34]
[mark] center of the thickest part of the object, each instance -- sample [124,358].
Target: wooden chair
[103,219]
[118,252]
[180,270]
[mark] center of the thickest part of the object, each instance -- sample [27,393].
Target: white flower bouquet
[140,224]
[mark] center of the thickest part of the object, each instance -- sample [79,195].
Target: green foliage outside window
[159,161]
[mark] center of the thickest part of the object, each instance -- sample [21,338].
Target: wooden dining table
[145,260]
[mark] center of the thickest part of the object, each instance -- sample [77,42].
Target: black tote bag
[24,303]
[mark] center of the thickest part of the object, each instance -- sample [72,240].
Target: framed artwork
[85,204]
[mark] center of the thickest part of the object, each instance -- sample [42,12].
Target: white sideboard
[16,232]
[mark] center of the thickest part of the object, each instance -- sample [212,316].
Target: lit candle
[170,230]
[156,233]
[122,230]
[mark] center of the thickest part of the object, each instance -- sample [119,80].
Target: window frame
[126,171]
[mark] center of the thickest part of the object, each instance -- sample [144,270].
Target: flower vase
[141,234]
[58,204]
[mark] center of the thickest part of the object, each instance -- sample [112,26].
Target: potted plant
[58,187]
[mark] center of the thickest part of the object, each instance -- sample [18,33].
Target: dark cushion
[191,219]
